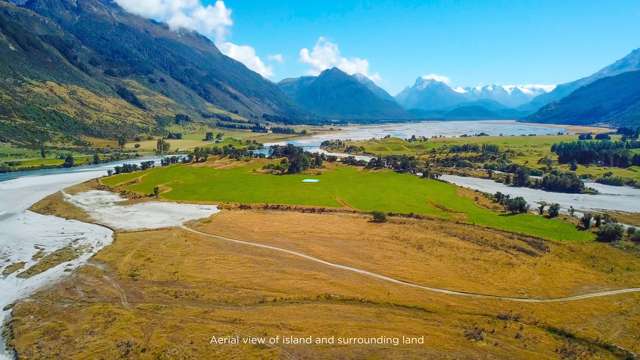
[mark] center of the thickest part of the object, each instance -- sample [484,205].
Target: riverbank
[608,199]
[45,248]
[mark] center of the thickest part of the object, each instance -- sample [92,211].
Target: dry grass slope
[164,294]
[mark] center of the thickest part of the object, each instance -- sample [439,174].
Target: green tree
[598,219]
[517,205]
[521,177]
[122,141]
[554,210]
[573,165]
[610,232]
[585,221]
[562,182]
[68,161]
[547,162]
[162,146]
[200,154]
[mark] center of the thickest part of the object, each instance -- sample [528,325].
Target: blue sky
[470,42]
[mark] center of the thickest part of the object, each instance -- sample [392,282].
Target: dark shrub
[585,221]
[610,232]
[521,177]
[379,217]
[68,161]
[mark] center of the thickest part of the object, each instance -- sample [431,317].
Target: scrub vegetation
[533,152]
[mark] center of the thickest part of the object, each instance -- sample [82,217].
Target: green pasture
[341,186]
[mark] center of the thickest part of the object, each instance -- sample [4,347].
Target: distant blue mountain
[473,110]
[433,97]
[337,95]
[430,94]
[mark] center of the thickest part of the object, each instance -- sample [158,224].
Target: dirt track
[427,288]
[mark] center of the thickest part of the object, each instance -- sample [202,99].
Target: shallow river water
[23,233]
[620,198]
[429,129]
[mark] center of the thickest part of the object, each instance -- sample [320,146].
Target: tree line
[484,148]
[294,159]
[606,153]
[128,168]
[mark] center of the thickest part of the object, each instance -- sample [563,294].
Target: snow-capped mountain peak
[533,89]
[426,81]
[436,78]
[435,91]
[508,95]
[460,89]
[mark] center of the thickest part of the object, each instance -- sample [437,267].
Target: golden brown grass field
[163,294]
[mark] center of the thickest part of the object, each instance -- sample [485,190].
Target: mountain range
[607,97]
[334,94]
[88,68]
[430,94]
[71,70]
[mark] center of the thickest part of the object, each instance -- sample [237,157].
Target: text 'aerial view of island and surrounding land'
[354,179]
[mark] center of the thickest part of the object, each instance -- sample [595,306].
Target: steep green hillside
[631,62]
[73,68]
[614,100]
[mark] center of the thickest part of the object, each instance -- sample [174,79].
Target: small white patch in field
[310,181]
[104,207]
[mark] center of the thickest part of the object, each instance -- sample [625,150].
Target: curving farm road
[427,288]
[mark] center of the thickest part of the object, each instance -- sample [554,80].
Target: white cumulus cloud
[213,21]
[246,55]
[279,58]
[326,54]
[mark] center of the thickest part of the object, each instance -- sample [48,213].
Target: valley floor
[165,293]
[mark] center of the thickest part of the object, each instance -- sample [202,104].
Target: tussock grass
[187,289]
